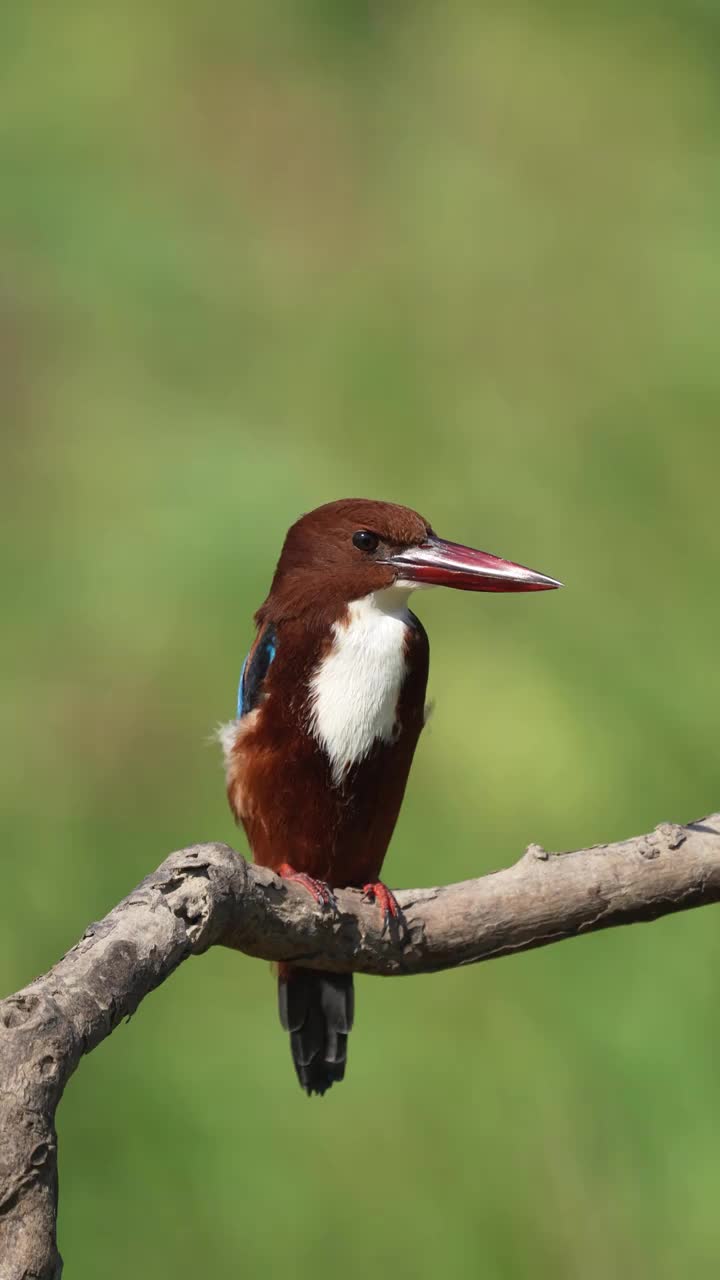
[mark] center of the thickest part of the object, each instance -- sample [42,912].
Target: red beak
[437,563]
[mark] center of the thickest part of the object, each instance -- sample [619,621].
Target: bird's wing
[254,670]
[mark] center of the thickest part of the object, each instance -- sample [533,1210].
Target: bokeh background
[256,257]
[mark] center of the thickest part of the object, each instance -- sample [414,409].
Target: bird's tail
[317,1009]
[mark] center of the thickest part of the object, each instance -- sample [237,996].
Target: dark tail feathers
[317,1009]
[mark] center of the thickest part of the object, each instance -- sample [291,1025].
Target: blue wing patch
[254,670]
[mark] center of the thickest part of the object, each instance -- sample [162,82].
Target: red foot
[318,889]
[387,902]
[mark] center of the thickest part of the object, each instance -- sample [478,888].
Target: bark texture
[209,895]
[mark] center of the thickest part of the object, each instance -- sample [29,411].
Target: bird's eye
[365,541]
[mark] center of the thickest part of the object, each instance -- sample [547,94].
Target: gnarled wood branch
[209,895]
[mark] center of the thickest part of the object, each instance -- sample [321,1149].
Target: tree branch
[209,895]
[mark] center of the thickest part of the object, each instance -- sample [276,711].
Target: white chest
[354,692]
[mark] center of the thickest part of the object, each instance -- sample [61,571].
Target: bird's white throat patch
[354,691]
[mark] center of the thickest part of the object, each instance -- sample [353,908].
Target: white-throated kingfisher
[330,707]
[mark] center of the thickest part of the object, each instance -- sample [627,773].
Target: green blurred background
[256,257]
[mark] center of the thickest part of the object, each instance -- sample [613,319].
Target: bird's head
[348,549]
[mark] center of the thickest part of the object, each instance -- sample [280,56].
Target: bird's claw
[385,899]
[318,889]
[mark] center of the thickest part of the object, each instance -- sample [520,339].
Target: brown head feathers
[334,555]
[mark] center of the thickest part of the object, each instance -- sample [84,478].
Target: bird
[331,703]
